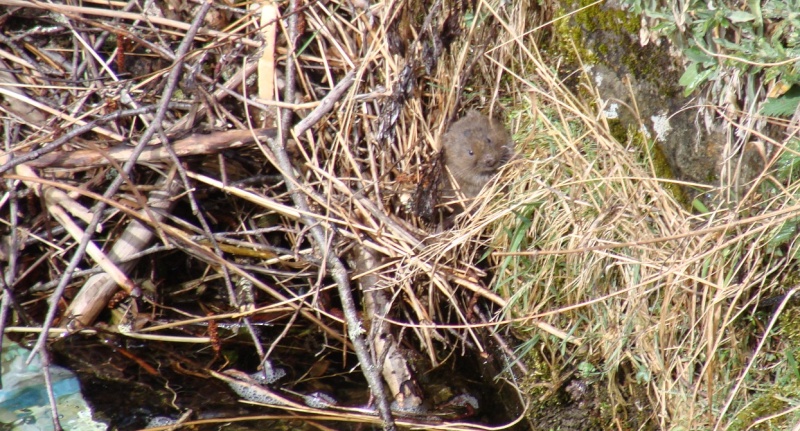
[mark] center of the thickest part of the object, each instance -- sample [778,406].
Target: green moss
[789,324]
[657,157]
[618,131]
[608,33]
[764,406]
[786,385]
[605,18]
[663,170]
[609,36]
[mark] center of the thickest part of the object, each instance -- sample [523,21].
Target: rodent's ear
[472,113]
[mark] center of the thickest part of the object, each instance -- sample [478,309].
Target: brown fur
[475,148]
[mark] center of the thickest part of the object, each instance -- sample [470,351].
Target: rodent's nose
[490,161]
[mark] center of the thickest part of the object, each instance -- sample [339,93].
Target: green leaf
[650,13]
[697,55]
[788,165]
[770,74]
[785,234]
[699,206]
[784,105]
[794,251]
[735,47]
[693,78]
[792,362]
[665,27]
[740,16]
[755,6]
[689,75]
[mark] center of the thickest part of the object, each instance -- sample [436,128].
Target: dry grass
[594,262]
[641,292]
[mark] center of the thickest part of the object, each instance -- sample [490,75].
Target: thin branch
[97,210]
[355,330]
[32,155]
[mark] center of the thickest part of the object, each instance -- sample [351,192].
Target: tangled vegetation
[255,189]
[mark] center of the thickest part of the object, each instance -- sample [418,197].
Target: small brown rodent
[475,148]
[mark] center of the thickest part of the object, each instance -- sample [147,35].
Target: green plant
[758,42]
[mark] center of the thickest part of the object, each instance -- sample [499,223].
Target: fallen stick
[195,144]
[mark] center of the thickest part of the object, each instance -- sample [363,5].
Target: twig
[378,304]
[338,271]
[189,146]
[326,104]
[232,300]
[51,396]
[9,275]
[5,305]
[100,288]
[75,12]
[172,84]
[102,39]
[8,164]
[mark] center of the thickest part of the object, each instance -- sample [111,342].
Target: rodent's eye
[471,153]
